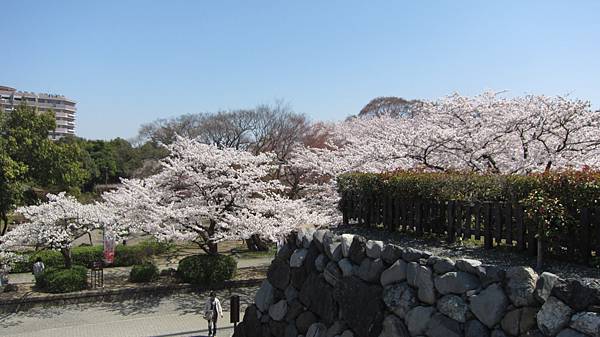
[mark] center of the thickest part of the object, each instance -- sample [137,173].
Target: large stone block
[489,305]
[394,327]
[417,319]
[454,307]
[520,286]
[317,296]
[394,274]
[554,316]
[400,298]
[264,296]
[442,326]
[279,274]
[456,283]
[370,270]
[355,298]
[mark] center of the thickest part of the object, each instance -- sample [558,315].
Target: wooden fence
[493,222]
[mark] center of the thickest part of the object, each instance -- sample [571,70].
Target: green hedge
[574,189]
[62,280]
[145,272]
[206,270]
[86,255]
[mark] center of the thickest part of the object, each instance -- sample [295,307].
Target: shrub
[86,255]
[146,272]
[62,280]
[206,270]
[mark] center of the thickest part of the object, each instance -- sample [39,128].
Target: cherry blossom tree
[55,224]
[206,194]
[485,133]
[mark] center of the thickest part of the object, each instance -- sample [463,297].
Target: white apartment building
[64,108]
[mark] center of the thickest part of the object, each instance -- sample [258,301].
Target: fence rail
[496,223]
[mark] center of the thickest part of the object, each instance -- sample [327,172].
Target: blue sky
[129,62]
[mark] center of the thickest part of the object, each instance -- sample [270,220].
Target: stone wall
[324,285]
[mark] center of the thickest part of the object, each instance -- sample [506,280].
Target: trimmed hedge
[86,255]
[145,272]
[62,280]
[574,189]
[206,270]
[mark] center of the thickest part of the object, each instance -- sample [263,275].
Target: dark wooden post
[489,227]
[498,222]
[450,221]
[520,228]
[419,217]
[586,226]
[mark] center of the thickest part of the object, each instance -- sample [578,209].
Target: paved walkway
[171,316]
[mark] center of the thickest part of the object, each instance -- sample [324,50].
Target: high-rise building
[64,108]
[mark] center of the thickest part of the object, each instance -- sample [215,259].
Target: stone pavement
[174,315]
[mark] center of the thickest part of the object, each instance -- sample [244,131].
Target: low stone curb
[111,295]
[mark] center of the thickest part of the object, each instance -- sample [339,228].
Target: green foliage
[62,280]
[206,270]
[574,189]
[85,255]
[145,272]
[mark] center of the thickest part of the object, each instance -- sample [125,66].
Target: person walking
[212,311]
[38,267]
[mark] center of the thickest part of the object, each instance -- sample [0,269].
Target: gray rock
[456,283]
[578,294]
[475,328]
[411,273]
[347,333]
[395,273]
[469,266]
[317,330]
[393,327]
[491,274]
[264,296]
[295,308]
[332,273]
[317,295]
[279,274]
[304,321]
[374,249]
[291,331]
[520,286]
[587,323]
[442,326]
[308,237]
[278,310]
[489,305]
[426,292]
[346,240]
[290,293]
[358,249]
[570,333]
[334,251]
[553,317]
[370,270]
[444,265]
[390,253]
[336,329]
[399,298]
[417,319]
[498,333]
[277,328]
[414,255]
[297,259]
[454,307]
[321,262]
[355,298]
[544,286]
[346,267]
[318,237]
[519,321]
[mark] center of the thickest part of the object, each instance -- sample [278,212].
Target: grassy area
[244,253]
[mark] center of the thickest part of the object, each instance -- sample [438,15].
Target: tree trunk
[213,248]
[4,227]
[90,237]
[256,244]
[66,253]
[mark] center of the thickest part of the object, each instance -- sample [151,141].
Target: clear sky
[129,62]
